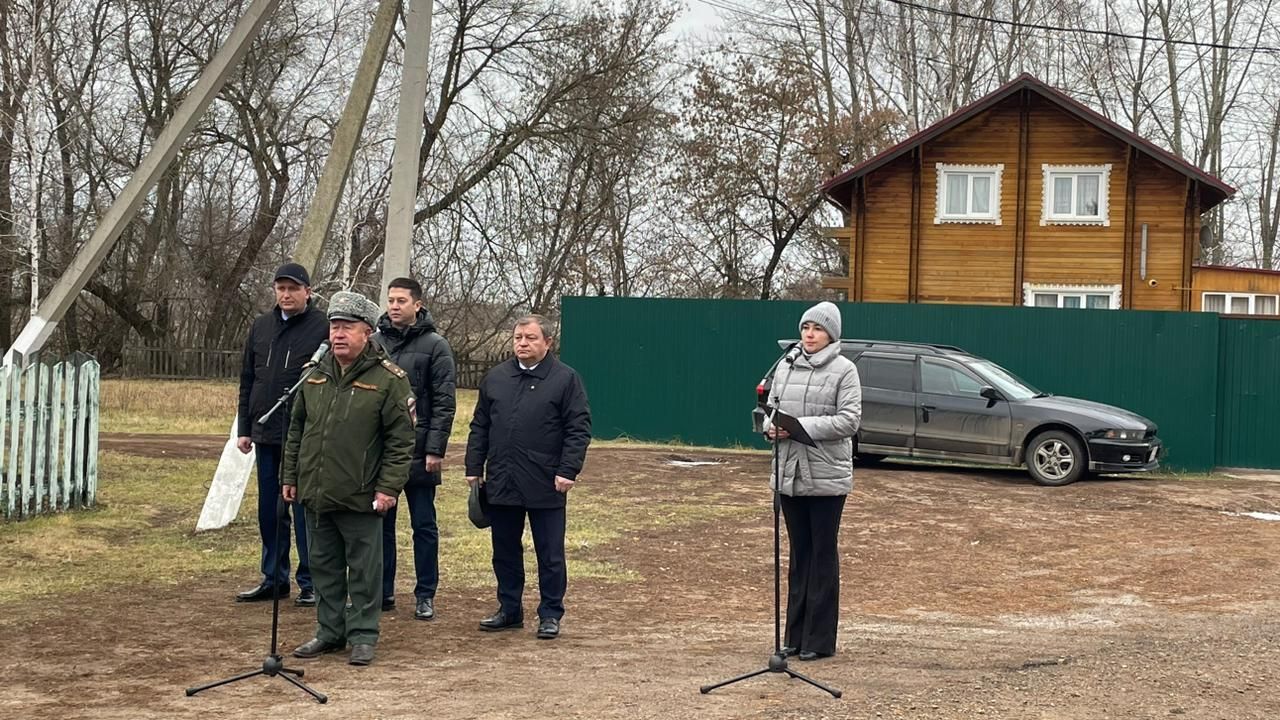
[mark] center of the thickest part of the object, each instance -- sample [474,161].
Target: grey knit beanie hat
[825,314]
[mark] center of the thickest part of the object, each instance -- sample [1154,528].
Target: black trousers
[813,580]
[421,499]
[548,525]
[275,544]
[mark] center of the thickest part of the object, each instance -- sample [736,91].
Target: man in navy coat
[528,441]
[280,342]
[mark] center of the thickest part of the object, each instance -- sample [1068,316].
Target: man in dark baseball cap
[280,342]
[294,272]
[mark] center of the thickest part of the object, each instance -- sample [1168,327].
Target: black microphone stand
[273,665]
[778,661]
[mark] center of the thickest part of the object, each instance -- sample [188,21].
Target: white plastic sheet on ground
[227,489]
[1273,517]
[693,463]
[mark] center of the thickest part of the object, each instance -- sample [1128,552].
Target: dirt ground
[964,594]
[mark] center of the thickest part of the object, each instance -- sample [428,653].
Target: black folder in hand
[792,425]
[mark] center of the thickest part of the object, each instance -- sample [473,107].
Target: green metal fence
[1248,393]
[686,370]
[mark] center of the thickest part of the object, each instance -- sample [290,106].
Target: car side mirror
[991,394]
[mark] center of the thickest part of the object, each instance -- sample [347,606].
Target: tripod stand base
[777,664]
[273,666]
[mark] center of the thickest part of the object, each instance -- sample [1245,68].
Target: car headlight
[1123,435]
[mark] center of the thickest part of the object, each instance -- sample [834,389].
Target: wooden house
[1025,197]
[1236,290]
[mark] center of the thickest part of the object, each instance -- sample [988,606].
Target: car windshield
[1006,382]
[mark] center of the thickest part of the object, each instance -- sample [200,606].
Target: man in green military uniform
[346,458]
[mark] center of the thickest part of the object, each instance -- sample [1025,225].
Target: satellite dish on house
[1206,237]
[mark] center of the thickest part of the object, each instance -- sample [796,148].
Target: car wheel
[1056,457]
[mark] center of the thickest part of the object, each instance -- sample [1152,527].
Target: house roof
[1213,190]
[1233,268]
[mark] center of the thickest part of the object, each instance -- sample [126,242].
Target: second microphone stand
[778,661]
[273,665]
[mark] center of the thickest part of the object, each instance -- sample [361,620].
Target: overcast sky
[698,18]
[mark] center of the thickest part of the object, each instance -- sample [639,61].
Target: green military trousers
[346,562]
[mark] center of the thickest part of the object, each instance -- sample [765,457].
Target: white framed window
[1240,303]
[1076,195]
[968,194]
[1084,297]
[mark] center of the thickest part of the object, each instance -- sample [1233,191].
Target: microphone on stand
[766,394]
[316,357]
[319,354]
[793,353]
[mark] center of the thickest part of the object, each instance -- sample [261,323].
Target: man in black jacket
[408,334]
[280,343]
[528,441]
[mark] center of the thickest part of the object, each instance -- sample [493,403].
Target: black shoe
[426,609]
[306,598]
[501,621]
[315,647]
[361,654]
[262,592]
[388,604]
[548,628]
[788,651]
[808,655]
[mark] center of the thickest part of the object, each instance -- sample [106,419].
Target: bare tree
[755,154]
[1264,211]
[266,124]
[17,21]
[535,136]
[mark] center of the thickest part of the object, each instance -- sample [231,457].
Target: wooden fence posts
[48,436]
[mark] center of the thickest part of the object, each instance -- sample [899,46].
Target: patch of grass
[168,406]
[466,407]
[143,532]
[466,551]
[200,407]
[598,517]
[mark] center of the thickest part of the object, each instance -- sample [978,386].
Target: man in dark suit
[528,441]
[280,343]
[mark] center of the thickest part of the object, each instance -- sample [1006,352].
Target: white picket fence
[48,437]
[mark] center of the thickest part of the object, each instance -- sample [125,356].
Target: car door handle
[927,409]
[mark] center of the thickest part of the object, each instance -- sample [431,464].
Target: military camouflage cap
[348,305]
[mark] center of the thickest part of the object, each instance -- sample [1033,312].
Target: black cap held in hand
[478,506]
[294,272]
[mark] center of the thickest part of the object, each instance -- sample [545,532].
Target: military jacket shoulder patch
[394,369]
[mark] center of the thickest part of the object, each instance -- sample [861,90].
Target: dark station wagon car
[939,402]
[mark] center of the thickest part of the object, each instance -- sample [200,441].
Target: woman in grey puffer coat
[821,388]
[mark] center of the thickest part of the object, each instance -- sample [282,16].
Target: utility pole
[333,179]
[86,262]
[404,168]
